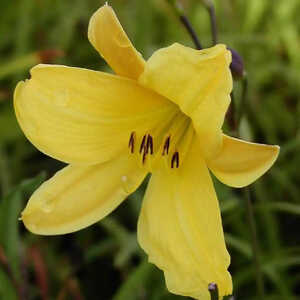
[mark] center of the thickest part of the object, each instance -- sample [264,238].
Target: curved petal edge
[180,228]
[199,82]
[240,163]
[81,116]
[110,40]
[78,196]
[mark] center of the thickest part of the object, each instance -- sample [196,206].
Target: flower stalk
[186,23]
[247,195]
[237,117]
[254,244]
[209,5]
[243,102]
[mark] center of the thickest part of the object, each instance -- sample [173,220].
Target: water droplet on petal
[63,98]
[47,205]
[122,40]
[126,184]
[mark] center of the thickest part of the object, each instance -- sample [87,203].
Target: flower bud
[237,65]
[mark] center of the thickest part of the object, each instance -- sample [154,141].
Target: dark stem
[243,103]
[254,243]
[184,20]
[234,114]
[186,23]
[213,21]
[231,116]
[247,195]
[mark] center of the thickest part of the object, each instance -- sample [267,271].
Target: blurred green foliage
[105,261]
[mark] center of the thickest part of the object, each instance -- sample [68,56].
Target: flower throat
[168,144]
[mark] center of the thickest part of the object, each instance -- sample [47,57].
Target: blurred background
[104,261]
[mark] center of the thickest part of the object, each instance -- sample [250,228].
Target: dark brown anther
[175,160]
[131,142]
[149,145]
[166,146]
[142,147]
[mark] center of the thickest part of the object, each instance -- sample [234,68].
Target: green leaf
[135,285]
[10,209]
[286,207]
[7,290]
[9,232]
[126,241]
[239,245]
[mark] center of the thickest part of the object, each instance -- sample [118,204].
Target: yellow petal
[79,196]
[81,116]
[240,163]
[108,37]
[199,82]
[180,229]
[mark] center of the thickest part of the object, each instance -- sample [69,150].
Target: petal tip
[240,163]
[100,15]
[32,217]
[107,36]
[26,219]
[276,151]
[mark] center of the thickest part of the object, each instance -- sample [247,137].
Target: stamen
[143,144]
[149,145]
[175,159]
[146,146]
[131,142]
[144,157]
[166,146]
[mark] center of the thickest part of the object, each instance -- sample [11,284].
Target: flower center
[166,145]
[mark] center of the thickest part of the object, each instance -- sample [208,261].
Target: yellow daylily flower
[164,117]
